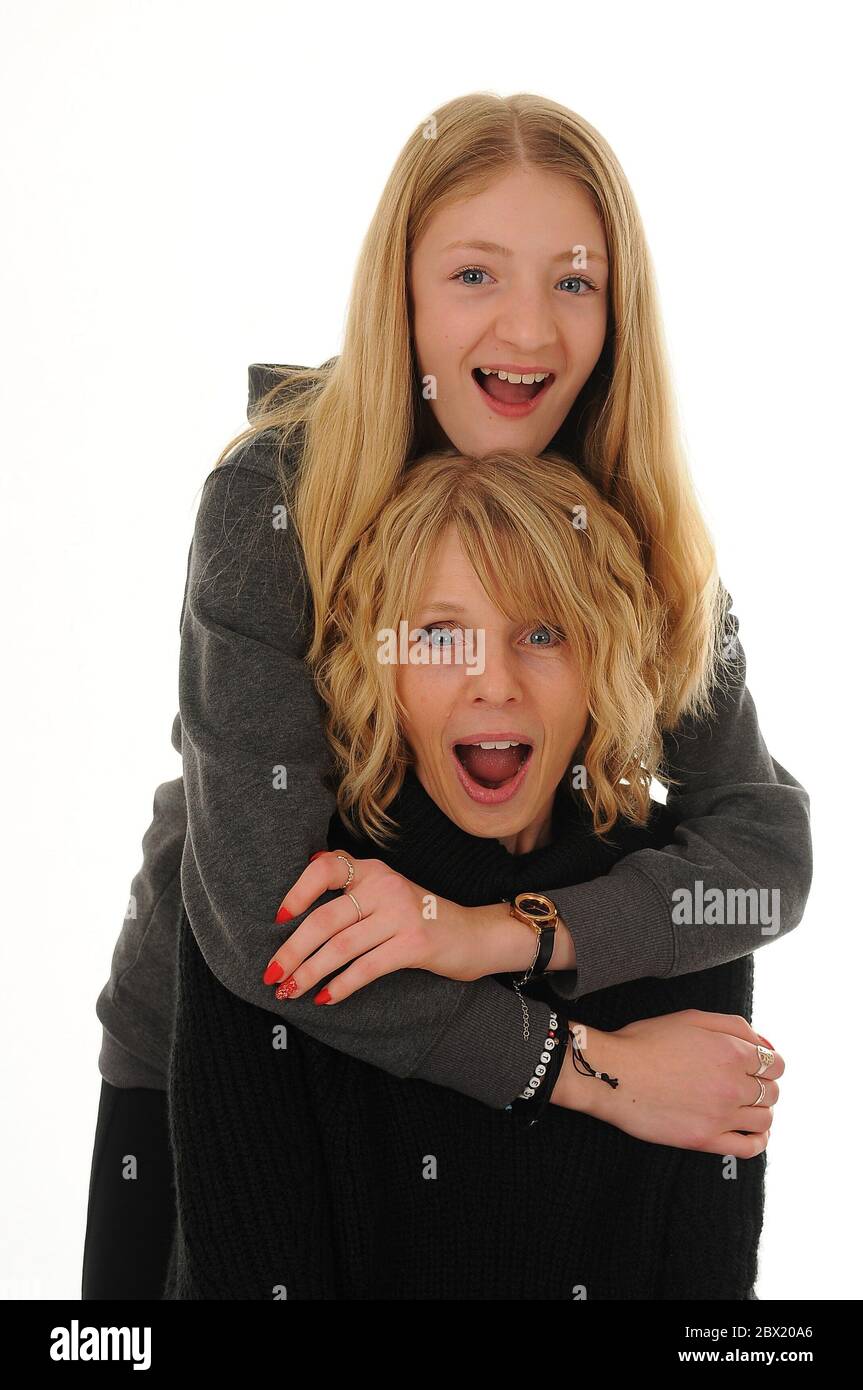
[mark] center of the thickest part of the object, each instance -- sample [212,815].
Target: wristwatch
[538,911]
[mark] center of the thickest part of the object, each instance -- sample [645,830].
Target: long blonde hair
[355,424]
[548,549]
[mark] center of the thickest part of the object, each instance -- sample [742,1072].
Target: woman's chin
[487,812]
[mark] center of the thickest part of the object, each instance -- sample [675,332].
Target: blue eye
[469,270]
[580,280]
[555,637]
[433,629]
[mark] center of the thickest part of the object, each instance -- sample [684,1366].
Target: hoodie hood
[263,376]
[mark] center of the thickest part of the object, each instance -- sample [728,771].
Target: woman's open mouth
[510,398]
[492,774]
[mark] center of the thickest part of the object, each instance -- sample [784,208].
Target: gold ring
[762,1091]
[766,1059]
[350,877]
[356,904]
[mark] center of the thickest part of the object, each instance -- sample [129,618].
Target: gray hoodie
[230,837]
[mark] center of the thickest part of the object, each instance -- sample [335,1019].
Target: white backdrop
[185,187]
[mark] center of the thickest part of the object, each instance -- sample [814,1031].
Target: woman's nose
[525,320]
[496,678]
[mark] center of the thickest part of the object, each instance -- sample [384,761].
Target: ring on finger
[350,878]
[762,1091]
[355,903]
[766,1059]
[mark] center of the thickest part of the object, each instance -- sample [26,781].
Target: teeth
[528,379]
[508,743]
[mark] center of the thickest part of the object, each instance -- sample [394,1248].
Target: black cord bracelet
[586,1069]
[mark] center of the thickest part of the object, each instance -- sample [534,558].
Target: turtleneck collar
[432,850]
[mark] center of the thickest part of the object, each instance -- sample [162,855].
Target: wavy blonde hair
[516,519]
[354,425]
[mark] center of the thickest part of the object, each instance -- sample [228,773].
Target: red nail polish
[283,915]
[286,988]
[317,854]
[273,972]
[323,996]
[766,1043]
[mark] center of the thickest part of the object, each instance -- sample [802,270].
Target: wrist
[504,945]
[589,1094]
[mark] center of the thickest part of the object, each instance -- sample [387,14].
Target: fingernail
[286,988]
[317,854]
[766,1043]
[273,972]
[323,996]
[283,915]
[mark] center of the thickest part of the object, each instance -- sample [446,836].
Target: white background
[184,189]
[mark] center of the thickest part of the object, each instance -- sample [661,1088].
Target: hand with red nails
[403,927]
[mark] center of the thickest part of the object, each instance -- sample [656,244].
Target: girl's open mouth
[512,398]
[491,775]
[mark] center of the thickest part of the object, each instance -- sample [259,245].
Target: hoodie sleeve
[734,877]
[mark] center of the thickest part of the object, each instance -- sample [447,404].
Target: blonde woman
[506,241]
[304,1173]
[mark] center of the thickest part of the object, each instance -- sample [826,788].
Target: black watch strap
[546,950]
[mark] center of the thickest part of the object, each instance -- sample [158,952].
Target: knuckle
[734,1052]
[344,945]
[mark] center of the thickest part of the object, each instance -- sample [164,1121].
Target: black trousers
[131,1213]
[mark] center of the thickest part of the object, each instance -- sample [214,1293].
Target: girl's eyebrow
[494,249]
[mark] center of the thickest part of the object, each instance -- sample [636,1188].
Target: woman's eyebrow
[494,249]
[446,603]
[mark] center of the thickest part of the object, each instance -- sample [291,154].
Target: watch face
[534,907]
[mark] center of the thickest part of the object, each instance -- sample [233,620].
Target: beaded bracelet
[530,1104]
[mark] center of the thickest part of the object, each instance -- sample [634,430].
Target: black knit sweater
[303,1173]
